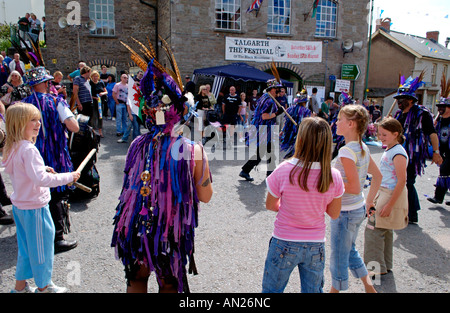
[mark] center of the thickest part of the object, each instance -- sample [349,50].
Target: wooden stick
[279,105]
[82,187]
[86,160]
[80,169]
[392,108]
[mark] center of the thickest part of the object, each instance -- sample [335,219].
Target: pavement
[232,236]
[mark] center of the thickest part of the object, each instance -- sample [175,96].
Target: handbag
[6,99]
[2,131]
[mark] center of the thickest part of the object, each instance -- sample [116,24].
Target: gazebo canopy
[237,71]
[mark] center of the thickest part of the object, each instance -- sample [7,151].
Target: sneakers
[52,288]
[121,141]
[27,289]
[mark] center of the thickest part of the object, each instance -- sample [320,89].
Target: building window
[326,19]
[445,70]
[433,74]
[228,14]
[102,12]
[279,17]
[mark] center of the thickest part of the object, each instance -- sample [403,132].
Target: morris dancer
[298,111]
[52,144]
[443,131]
[263,121]
[166,176]
[419,132]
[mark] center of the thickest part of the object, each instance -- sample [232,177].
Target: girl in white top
[354,162]
[391,201]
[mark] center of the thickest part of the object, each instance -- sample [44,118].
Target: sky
[11,10]
[415,17]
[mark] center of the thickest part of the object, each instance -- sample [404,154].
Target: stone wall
[132,19]
[189,27]
[197,44]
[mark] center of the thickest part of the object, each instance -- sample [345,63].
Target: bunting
[255,6]
[315,5]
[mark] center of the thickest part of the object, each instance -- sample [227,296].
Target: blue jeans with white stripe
[344,255]
[35,240]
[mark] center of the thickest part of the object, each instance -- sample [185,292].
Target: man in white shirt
[17,65]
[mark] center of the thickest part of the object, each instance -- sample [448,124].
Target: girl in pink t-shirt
[301,190]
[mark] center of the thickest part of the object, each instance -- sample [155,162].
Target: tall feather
[445,87]
[150,46]
[37,50]
[145,50]
[23,53]
[274,70]
[416,83]
[172,62]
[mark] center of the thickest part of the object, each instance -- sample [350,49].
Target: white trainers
[52,288]
[27,289]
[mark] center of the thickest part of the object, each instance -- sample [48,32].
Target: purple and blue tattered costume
[156,217]
[290,130]
[52,139]
[263,129]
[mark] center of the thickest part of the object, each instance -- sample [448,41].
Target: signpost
[350,72]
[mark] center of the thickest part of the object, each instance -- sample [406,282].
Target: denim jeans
[283,256]
[344,255]
[112,107]
[121,117]
[132,124]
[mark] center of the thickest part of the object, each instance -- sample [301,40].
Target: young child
[31,180]
[353,162]
[301,190]
[392,199]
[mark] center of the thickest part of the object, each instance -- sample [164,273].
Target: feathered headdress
[301,97]
[158,81]
[29,50]
[445,91]
[408,87]
[274,82]
[345,98]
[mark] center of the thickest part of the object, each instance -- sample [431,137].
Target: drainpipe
[155,8]
[366,85]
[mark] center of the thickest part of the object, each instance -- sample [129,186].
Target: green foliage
[5,35]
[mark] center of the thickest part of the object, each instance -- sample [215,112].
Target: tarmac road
[232,237]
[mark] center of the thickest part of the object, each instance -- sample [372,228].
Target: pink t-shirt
[301,216]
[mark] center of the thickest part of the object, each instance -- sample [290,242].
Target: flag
[315,5]
[134,97]
[256,5]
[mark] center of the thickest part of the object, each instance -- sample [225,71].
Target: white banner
[264,50]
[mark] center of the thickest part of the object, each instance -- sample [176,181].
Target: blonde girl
[354,163]
[301,190]
[242,115]
[391,202]
[202,105]
[31,180]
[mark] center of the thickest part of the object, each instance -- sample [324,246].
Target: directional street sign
[350,71]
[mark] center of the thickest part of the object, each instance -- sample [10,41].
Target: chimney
[433,36]
[384,24]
